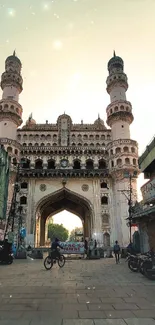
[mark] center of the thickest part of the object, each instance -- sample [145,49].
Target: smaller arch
[12,107]
[48,144]
[85,144]
[73,144]
[51,164]
[89,164]
[19,136]
[134,162]
[9,149]
[24,185]
[108,137]
[110,111]
[127,161]
[23,200]
[6,106]
[91,136]
[106,239]
[25,163]
[85,136]
[97,137]
[54,136]
[38,164]
[103,144]
[127,108]
[16,152]
[79,144]
[103,185]
[132,149]
[102,164]
[116,109]
[102,137]
[122,107]
[30,136]
[36,144]
[25,136]
[111,151]
[104,200]
[14,161]
[98,144]
[54,144]
[24,144]
[77,164]
[36,136]
[30,144]
[105,218]
[112,164]
[79,136]
[126,149]
[91,144]
[17,110]
[73,135]
[42,136]
[48,137]
[119,162]
[42,144]
[118,150]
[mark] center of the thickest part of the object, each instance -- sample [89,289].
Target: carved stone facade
[77,167]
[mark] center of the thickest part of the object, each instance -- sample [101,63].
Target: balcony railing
[64,173]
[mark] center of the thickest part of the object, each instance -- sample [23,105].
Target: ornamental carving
[42,187]
[85,187]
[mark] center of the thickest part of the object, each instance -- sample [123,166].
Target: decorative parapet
[10,142]
[69,173]
[119,142]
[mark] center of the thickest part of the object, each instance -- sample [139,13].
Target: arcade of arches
[58,201]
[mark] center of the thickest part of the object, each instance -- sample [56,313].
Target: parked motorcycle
[149,268]
[136,262]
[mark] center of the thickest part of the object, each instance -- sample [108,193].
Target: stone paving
[82,293]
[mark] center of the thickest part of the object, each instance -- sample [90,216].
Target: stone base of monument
[94,254]
[36,254]
[21,255]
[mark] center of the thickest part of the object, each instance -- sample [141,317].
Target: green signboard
[4,181]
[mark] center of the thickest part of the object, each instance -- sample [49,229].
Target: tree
[77,230]
[57,231]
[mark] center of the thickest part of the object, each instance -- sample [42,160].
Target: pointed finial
[98,116]
[30,117]
[14,53]
[114,53]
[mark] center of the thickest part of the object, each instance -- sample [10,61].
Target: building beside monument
[145,213]
[76,167]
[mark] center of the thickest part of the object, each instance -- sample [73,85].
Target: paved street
[82,293]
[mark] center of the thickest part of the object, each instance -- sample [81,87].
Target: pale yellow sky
[64,46]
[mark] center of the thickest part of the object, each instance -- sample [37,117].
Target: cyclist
[54,248]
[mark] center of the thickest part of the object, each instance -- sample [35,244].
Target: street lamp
[129,198]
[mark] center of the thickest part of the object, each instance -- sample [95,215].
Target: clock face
[64,163]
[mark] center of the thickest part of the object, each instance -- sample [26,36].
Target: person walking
[116,251]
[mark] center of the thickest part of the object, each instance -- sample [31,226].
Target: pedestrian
[116,251]
[86,247]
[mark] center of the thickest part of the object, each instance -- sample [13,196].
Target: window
[108,137]
[111,111]
[19,136]
[97,144]
[14,161]
[77,164]
[79,136]
[24,144]
[73,144]
[30,144]
[85,144]
[51,164]
[23,200]
[127,161]
[25,136]
[39,164]
[118,150]
[9,149]
[79,144]
[36,144]
[42,136]
[54,144]
[122,107]
[112,164]
[126,149]
[91,144]
[102,137]
[134,162]
[48,137]
[24,185]
[91,136]
[103,185]
[97,137]
[42,144]
[85,136]
[30,136]
[104,200]
[25,163]
[119,162]
[105,218]
[116,108]
[111,152]
[48,144]
[102,164]
[132,149]
[89,164]
[16,152]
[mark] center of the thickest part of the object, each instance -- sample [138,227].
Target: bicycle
[51,259]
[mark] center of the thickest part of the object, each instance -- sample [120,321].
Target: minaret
[123,152]
[11,114]
[10,109]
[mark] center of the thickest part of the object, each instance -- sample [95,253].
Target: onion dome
[115,62]
[30,121]
[99,123]
[13,58]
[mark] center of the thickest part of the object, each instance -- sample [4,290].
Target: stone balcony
[54,173]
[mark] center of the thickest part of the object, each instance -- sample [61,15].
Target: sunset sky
[65,45]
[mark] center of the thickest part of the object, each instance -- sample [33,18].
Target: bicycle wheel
[48,263]
[61,261]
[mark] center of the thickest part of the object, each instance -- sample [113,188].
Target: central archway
[63,199]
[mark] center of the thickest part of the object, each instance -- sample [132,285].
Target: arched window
[16,152]
[106,239]
[127,161]
[42,144]
[14,161]
[9,149]
[122,107]
[108,137]
[19,136]
[25,136]
[112,164]
[103,185]
[36,144]
[111,152]
[102,137]
[42,136]
[54,136]
[79,136]
[118,150]
[134,162]
[102,164]
[119,162]
[38,164]
[48,144]
[24,144]
[116,108]
[48,137]
[89,164]
[132,149]
[85,144]
[85,136]
[126,149]
[104,200]
[77,164]
[97,137]
[54,144]
[73,144]
[30,144]
[25,163]
[79,144]
[91,144]
[51,164]
[30,136]
[73,136]
[24,185]
[23,200]
[36,136]
[97,144]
